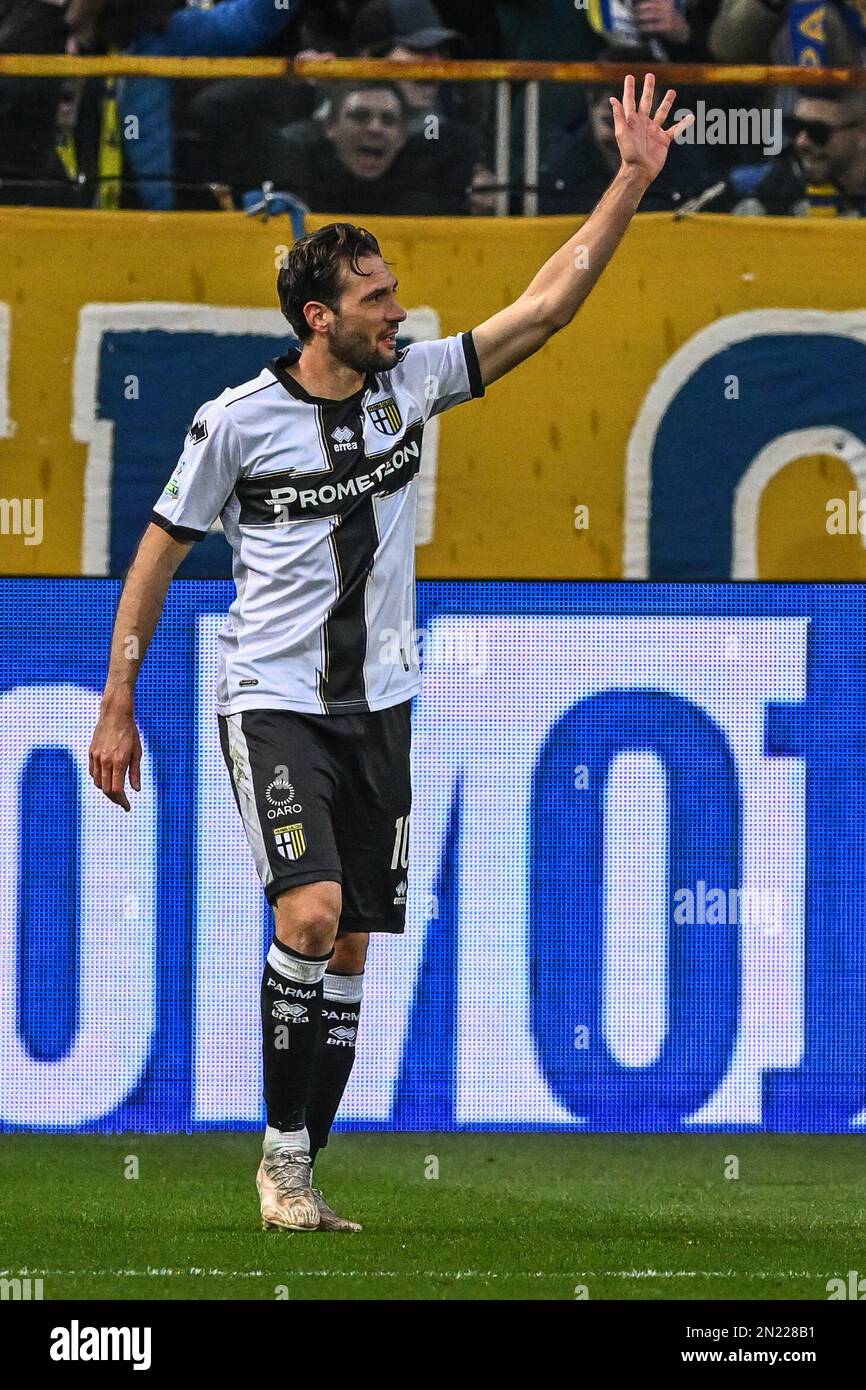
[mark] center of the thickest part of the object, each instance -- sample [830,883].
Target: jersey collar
[279,367]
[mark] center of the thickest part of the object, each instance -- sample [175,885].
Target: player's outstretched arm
[563,283]
[115,748]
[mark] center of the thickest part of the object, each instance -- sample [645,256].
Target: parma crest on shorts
[290,840]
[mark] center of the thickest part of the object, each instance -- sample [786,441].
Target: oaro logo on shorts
[281,798]
[290,840]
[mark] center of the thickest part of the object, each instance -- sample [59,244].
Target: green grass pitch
[508,1217]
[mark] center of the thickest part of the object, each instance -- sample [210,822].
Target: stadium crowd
[413,147]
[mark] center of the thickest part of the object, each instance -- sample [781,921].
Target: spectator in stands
[412,30]
[761,31]
[325,26]
[477,23]
[405,31]
[360,157]
[823,170]
[584,156]
[28,108]
[236,120]
[157,28]
[679,29]
[545,31]
[229,117]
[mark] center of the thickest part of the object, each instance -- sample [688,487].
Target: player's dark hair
[313,269]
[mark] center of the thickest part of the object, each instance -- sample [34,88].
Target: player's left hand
[642,139]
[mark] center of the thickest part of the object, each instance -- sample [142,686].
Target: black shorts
[327,796]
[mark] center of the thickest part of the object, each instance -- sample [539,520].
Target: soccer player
[312,467]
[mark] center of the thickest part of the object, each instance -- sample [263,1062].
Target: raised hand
[642,139]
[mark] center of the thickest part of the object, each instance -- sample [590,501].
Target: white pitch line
[194,1272]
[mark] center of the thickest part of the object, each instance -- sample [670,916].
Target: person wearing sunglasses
[828,133]
[822,171]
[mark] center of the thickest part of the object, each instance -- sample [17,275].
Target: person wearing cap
[412,31]
[405,31]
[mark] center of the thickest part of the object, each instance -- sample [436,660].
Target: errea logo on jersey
[344,439]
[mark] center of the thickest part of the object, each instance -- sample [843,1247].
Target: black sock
[291,1002]
[335,1053]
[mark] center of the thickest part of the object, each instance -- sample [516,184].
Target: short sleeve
[204,478]
[441,373]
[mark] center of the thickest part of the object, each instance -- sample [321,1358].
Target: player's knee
[306,918]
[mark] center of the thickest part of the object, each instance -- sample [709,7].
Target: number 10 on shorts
[400,857]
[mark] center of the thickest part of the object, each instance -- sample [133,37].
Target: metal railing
[502,73]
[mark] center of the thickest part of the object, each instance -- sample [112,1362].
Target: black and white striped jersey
[318,501]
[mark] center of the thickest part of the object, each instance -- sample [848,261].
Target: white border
[95,320]
[7,427]
[820,439]
[704,345]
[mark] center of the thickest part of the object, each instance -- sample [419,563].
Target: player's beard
[353,349]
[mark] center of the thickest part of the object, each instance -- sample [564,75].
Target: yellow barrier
[446,70]
[563,432]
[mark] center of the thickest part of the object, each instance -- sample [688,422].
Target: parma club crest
[290,840]
[386,416]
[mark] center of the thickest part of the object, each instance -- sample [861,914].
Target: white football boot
[287,1200]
